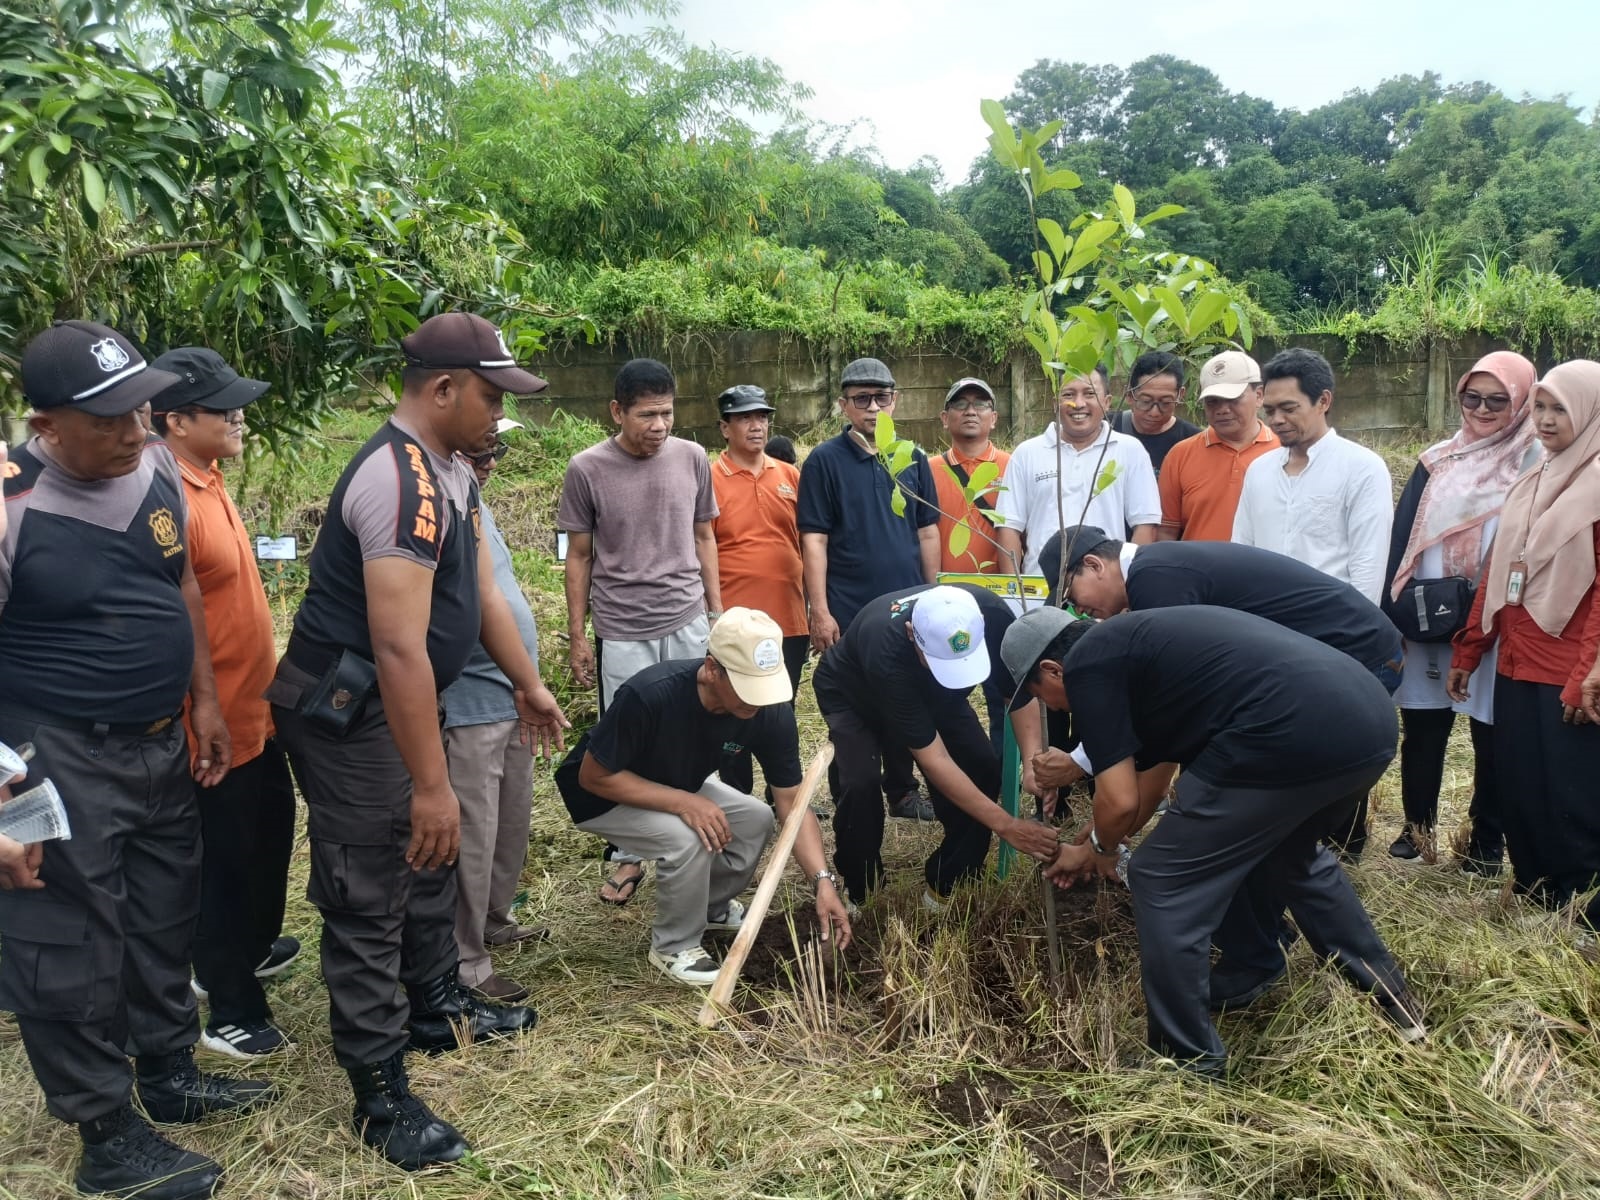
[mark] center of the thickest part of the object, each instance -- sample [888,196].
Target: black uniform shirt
[93,623]
[1282,589]
[874,671]
[1234,698]
[396,497]
[1157,444]
[657,728]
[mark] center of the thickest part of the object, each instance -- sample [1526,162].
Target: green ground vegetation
[936,1059]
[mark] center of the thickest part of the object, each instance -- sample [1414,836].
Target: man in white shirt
[1065,461]
[1319,498]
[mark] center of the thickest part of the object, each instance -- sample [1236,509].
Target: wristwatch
[1094,843]
[828,875]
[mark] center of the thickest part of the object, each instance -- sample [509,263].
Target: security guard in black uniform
[401,589]
[102,638]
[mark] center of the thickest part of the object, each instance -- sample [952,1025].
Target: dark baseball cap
[204,381]
[970,383]
[742,398]
[866,372]
[84,365]
[465,341]
[1026,641]
[1081,538]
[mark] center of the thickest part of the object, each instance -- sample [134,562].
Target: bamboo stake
[722,987]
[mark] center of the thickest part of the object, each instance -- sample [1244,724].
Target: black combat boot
[395,1123]
[122,1156]
[445,1015]
[176,1092]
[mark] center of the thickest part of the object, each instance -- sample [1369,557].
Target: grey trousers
[96,963]
[620,661]
[693,885]
[1215,841]
[492,774]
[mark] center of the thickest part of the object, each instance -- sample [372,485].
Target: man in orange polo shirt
[1203,475]
[969,417]
[247,820]
[758,542]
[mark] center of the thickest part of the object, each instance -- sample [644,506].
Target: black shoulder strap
[960,473]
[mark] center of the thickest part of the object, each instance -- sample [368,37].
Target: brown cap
[464,341]
[1228,374]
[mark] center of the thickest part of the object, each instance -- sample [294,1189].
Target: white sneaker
[692,966]
[249,1039]
[731,919]
[933,903]
[200,993]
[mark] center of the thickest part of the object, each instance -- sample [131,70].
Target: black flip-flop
[625,888]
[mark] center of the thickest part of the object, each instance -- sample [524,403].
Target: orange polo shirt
[980,551]
[238,622]
[1201,481]
[758,543]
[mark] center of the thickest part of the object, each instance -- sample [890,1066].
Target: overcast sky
[916,69]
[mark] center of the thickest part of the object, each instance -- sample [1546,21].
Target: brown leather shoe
[511,934]
[497,989]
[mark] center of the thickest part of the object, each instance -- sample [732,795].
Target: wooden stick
[722,987]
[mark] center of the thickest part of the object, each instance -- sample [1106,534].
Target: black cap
[741,398]
[866,372]
[82,365]
[464,341]
[204,381]
[1082,538]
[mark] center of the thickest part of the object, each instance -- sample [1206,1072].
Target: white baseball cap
[506,425]
[749,646]
[947,623]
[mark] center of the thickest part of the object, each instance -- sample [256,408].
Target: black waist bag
[1432,610]
[336,701]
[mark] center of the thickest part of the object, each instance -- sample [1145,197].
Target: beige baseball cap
[1228,374]
[749,645]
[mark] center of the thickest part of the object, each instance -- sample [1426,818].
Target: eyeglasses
[483,461]
[868,399]
[981,406]
[1471,400]
[1150,406]
[233,416]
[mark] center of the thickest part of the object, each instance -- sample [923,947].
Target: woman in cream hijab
[1444,524]
[1538,602]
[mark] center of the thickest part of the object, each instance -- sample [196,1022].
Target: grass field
[935,1060]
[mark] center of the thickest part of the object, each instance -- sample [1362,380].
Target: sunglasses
[1471,400]
[483,461]
[868,399]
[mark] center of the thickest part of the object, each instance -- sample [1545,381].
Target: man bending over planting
[1271,760]
[644,778]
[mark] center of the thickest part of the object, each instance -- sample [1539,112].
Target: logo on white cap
[109,355]
[766,656]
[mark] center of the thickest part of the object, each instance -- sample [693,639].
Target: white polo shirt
[1028,503]
[1334,515]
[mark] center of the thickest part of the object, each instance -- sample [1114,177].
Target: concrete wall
[1382,393]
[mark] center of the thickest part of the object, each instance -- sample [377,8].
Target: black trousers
[96,963]
[383,924]
[737,771]
[248,824]
[1225,854]
[1549,781]
[1425,736]
[859,816]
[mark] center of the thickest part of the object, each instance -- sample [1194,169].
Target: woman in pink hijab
[1444,524]
[1538,606]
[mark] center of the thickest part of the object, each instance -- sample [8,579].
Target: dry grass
[937,1061]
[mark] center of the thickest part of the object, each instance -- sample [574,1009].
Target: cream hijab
[1550,513]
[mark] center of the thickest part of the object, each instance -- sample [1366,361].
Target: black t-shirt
[398,499]
[874,671]
[93,624]
[1233,698]
[1271,585]
[1158,444]
[657,728]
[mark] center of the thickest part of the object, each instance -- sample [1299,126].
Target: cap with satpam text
[1228,374]
[465,341]
[749,646]
[948,626]
[87,366]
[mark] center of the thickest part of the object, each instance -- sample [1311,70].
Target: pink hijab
[1469,476]
[1551,512]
